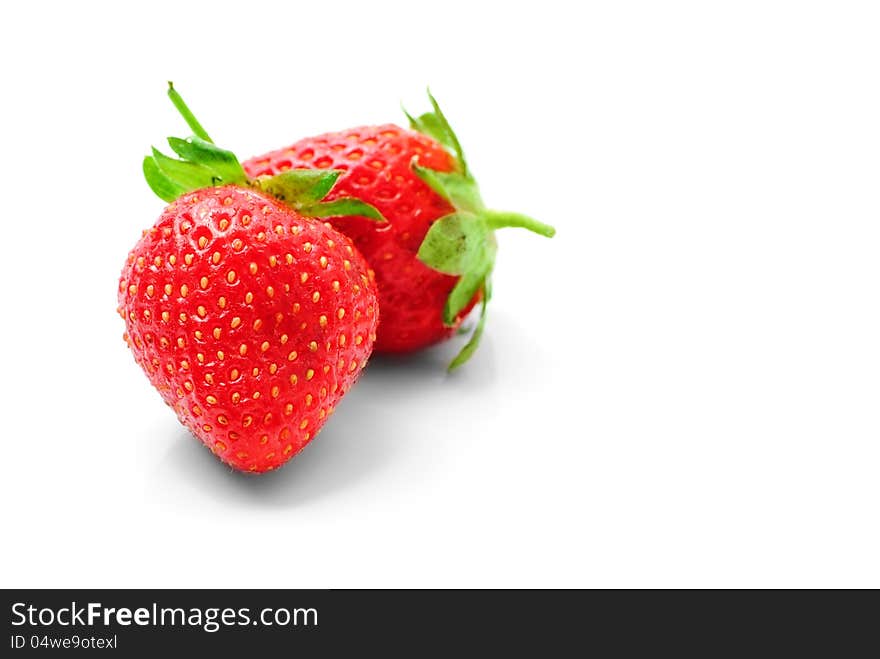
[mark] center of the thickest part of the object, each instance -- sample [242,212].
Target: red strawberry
[251,319]
[434,259]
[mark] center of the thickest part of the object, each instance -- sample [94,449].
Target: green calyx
[463,242]
[202,164]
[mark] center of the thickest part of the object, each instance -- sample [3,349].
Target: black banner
[553,623]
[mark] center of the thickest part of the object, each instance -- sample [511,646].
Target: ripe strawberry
[251,319]
[435,260]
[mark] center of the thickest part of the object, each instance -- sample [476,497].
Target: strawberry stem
[187,114]
[501,219]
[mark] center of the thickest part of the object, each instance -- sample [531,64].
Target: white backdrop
[680,389]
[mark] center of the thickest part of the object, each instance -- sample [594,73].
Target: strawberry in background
[434,257]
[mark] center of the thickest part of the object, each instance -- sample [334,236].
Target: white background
[680,389]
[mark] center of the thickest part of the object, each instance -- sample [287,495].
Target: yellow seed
[307,247]
[242,349]
[230,276]
[291,356]
[166,316]
[310,374]
[215,258]
[211,400]
[346,264]
[150,290]
[224,224]
[203,282]
[353,365]
[308,400]
[188,259]
[198,334]
[249,297]
[201,311]
[202,242]
[222,420]
[184,290]
[236,321]
[284,339]
[296,307]
[323,261]
[247,420]
[342,339]
[275,391]
[264,346]
[313,346]
[220,355]
[358,339]
[288,409]
[168,289]
[341,313]
[188,385]
[255,371]
[182,317]
[236,397]
[302,426]
[270,291]
[264,439]
[326,368]
[200,358]
[322,320]
[216,333]
[288,258]
[255,395]
[252,268]
[273,368]
[206,427]
[316,296]
[237,244]
[293,379]
[180,342]
[273,261]
[221,302]
[331,244]
[336,285]
[209,378]
[234,373]
[132,289]
[288,449]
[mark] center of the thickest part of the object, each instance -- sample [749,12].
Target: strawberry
[434,259]
[250,318]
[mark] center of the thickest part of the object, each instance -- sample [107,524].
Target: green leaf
[187,114]
[301,186]
[222,162]
[462,293]
[434,124]
[343,207]
[458,190]
[189,175]
[161,185]
[453,243]
[471,346]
